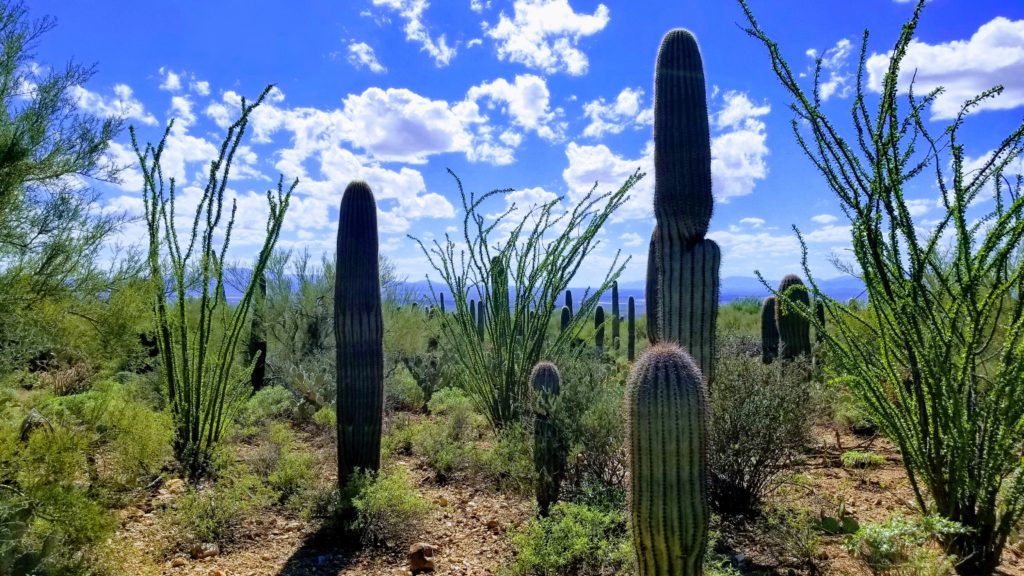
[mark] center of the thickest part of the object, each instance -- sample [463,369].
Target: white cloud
[614,117]
[527,103]
[171,81]
[742,245]
[993,55]
[200,87]
[836,79]
[631,239]
[738,155]
[590,164]
[545,34]
[361,55]
[830,233]
[474,42]
[479,6]
[122,104]
[752,222]
[416,31]
[181,111]
[824,218]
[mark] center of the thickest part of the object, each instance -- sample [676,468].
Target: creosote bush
[388,508]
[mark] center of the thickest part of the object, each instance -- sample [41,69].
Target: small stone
[200,551]
[178,562]
[878,501]
[421,557]
[442,502]
[494,526]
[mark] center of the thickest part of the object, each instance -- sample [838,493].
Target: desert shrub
[761,418]
[292,475]
[311,381]
[899,546]
[388,509]
[441,445]
[272,402]
[796,534]
[402,392]
[507,462]
[326,419]
[860,459]
[574,539]
[213,513]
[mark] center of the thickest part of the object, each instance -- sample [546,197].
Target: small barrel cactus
[630,329]
[794,328]
[667,411]
[359,334]
[549,449]
[599,330]
[769,331]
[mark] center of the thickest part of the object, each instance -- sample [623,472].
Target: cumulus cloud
[122,104]
[631,239]
[830,234]
[752,222]
[545,35]
[171,81]
[824,218]
[361,55]
[738,153]
[200,87]
[614,117]
[416,31]
[836,77]
[527,102]
[590,164]
[993,55]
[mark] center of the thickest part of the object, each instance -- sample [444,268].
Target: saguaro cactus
[666,406]
[769,331]
[630,329]
[599,330]
[794,329]
[615,315]
[481,319]
[819,313]
[565,319]
[651,288]
[442,302]
[568,301]
[687,263]
[472,310]
[549,448]
[256,351]
[359,334]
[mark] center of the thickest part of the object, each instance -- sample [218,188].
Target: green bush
[761,418]
[326,419]
[213,513]
[574,539]
[388,508]
[401,392]
[899,546]
[859,459]
[272,402]
[508,462]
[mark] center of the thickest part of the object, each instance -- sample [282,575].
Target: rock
[442,502]
[421,557]
[200,551]
[178,562]
[494,526]
[175,485]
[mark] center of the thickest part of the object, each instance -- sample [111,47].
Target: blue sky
[545,96]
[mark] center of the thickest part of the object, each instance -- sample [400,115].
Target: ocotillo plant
[687,263]
[615,315]
[549,446]
[599,330]
[564,319]
[794,328]
[359,334]
[568,301]
[630,329]
[769,331]
[651,288]
[202,388]
[666,407]
[256,351]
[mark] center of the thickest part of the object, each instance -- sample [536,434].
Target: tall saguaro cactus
[615,315]
[651,288]
[568,301]
[687,262]
[359,334]
[565,319]
[769,331]
[630,329]
[549,450]
[599,330]
[794,329]
[666,406]
[256,351]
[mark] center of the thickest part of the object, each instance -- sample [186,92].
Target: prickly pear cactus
[769,331]
[549,449]
[794,329]
[666,404]
[359,334]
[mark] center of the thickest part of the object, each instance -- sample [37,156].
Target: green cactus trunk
[568,301]
[565,319]
[472,310]
[651,288]
[256,351]
[442,302]
[549,448]
[630,329]
[687,263]
[481,319]
[359,334]
[819,313]
[599,330]
[666,404]
[794,328]
[615,315]
[769,331]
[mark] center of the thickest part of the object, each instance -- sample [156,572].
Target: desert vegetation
[331,420]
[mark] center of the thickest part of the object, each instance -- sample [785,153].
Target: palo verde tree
[198,355]
[938,355]
[518,269]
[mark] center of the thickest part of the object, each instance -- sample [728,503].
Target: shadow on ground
[324,552]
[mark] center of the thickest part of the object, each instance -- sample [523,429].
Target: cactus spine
[256,351]
[666,406]
[794,329]
[565,319]
[599,330]
[769,331]
[549,450]
[615,315]
[359,334]
[630,329]
[687,263]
